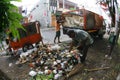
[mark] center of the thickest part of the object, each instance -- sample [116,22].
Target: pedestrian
[112,41]
[81,40]
[58,34]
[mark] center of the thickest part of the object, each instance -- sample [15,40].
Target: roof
[68,2]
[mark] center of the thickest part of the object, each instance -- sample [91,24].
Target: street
[48,35]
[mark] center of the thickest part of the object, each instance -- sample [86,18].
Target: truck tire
[30,46]
[27,47]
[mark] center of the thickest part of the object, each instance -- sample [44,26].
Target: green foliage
[117,67]
[43,77]
[10,18]
[119,42]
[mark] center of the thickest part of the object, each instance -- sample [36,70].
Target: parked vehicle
[29,36]
[85,20]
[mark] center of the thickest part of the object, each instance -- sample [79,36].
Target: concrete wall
[41,13]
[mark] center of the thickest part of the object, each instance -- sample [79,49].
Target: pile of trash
[50,61]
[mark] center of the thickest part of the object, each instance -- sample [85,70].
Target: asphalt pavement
[48,35]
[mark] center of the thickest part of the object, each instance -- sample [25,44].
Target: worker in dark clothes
[81,40]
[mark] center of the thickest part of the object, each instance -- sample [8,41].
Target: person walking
[81,40]
[112,42]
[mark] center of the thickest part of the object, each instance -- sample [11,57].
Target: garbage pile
[50,61]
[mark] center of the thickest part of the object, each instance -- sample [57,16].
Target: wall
[41,13]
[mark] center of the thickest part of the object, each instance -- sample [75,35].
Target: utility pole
[63,4]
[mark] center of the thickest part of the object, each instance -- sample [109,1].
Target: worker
[58,34]
[112,41]
[81,40]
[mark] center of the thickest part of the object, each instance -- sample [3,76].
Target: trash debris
[57,76]
[55,47]
[91,78]
[79,67]
[118,77]
[50,60]
[10,64]
[32,73]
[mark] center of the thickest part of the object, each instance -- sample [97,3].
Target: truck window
[22,33]
[31,29]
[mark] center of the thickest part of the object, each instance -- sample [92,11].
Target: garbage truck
[85,20]
[28,37]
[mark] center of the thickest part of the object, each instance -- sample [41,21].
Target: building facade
[65,5]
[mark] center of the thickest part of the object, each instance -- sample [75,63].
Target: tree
[10,18]
[114,13]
